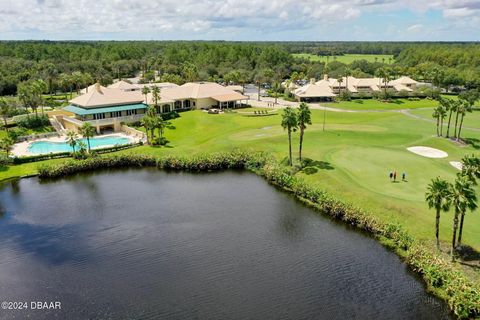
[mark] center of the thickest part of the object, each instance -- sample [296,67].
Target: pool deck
[21,149]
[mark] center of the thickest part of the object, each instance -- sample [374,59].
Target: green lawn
[373,104]
[348,58]
[470,120]
[351,159]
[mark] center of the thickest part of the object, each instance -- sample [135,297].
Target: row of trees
[460,195]
[455,111]
[296,120]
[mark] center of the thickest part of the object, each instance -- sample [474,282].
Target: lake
[146,244]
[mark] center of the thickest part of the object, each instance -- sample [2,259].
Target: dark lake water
[145,244]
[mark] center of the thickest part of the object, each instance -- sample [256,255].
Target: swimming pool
[44,147]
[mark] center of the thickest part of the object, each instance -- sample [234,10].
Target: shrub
[31,122]
[4,160]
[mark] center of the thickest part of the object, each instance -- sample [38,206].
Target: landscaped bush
[440,275]
[4,160]
[32,122]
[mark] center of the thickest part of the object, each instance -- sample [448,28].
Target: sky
[241,20]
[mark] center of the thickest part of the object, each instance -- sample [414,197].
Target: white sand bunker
[428,152]
[456,165]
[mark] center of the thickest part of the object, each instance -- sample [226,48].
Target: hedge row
[441,276]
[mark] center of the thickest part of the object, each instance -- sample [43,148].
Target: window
[98,116]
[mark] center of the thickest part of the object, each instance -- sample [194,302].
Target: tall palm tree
[450,106]
[384,74]
[340,81]
[289,122]
[5,111]
[438,197]
[436,116]
[145,91]
[72,139]
[442,112]
[303,118]
[87,131]
[155,95]
[465,107]
[459,109]
[471,168]
[149,121]
[463,197]
[348,73]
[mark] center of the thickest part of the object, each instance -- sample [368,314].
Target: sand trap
[428,152]
[456,165]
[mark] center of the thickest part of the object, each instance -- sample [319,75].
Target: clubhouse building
[107,108]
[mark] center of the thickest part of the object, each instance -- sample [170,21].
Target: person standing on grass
[404,176]
[391,176]
[395,176]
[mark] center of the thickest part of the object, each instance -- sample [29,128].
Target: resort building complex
[327,88]
[123,102]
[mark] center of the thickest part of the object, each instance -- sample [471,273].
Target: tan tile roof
[234,96]
[198,90]
[404,80]
[99,96]
[123,85]
[315,90]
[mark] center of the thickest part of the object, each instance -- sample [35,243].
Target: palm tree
[155,95]
[145,91]
[348,73]
[465,107]
[87,131]
[340,80]
[436,115]
[471,168]
[449,106]
[5,111]
[303,118]
[438,197]
[289,122]
[463,197]
[442,112]
[149,121]
[6,144]
[459,108]
[384,74]
[72,139]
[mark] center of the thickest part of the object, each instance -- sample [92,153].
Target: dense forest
[63,65]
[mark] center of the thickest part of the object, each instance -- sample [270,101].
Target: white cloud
[415,28]
[208,18]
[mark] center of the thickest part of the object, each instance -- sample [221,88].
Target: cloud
[90,19]
[415,28]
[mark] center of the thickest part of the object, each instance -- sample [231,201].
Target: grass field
[373,104]
[470,120]
[351,159]
[348,58]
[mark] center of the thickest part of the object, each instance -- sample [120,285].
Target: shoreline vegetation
[442,277]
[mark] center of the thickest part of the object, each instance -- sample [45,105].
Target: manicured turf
[373,104]
[348,58]
[470,120]
[351,159]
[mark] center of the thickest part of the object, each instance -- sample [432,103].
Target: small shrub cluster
[32,122]
[4,160]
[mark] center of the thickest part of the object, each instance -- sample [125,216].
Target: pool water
[43,147]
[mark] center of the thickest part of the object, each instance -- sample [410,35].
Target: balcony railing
[106,121]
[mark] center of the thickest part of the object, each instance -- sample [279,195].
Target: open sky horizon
[247,20]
